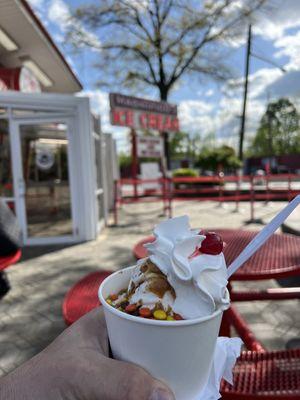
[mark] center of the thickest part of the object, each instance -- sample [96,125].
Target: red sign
[20,79]
[143,114]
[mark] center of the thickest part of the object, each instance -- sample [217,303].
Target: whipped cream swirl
[199,282]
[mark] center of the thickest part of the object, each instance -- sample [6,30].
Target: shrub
[223,157]
[184,172]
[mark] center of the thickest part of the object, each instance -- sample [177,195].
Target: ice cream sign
[140,113]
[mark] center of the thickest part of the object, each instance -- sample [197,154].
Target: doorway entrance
[49,167]
[44,179]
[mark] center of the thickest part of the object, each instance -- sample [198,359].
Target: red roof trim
[47,35]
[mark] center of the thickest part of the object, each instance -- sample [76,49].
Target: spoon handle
[262,236]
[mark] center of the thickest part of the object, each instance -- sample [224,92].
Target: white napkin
[226,352]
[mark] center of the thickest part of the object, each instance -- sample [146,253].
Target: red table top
[279,257]
[9,260]
[83,296]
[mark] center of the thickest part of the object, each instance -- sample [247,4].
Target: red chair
[83,296]
[271,375]
[10,260]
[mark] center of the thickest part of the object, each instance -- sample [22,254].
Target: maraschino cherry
[212,244]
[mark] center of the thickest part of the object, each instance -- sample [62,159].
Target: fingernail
[161,394]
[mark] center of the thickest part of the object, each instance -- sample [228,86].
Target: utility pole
[270,139]
[243,119]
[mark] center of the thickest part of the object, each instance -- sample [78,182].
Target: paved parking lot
[31,316]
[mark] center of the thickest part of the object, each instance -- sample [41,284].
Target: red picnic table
[278,258]
[258,374]
[11,259]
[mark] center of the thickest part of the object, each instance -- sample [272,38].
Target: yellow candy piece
[108,301]
[169,318]
[159,314]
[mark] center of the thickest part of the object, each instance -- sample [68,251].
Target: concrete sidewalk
[31,316]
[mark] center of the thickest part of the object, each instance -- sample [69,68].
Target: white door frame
[19,183]
[76,110]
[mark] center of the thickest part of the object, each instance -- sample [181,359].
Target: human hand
[76,366]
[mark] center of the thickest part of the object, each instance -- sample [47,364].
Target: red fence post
[289,187]
[116,202]
[165,195]
[169,194]
[221,189]
[243,330]
[252,198]
[237,192]
[225,329]
[267,188]
[134,165]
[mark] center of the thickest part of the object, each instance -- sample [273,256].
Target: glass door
[6,174]
[44,181]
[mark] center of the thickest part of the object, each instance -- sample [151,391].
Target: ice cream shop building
[54,171]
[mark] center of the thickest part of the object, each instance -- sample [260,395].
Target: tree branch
[137,51]
[206,39]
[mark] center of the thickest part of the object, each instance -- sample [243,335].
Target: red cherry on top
[212,244]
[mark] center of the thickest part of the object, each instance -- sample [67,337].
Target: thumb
[121,380]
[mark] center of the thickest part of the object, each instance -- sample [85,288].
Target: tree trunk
[164,97]
[163,91]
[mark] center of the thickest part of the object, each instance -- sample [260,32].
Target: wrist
[10,387]
[23,383]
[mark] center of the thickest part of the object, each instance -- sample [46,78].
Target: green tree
[223,157]
[178,145]
[279,130]
[154,43]
[125,160]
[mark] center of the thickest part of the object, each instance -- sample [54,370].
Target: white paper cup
[179,353]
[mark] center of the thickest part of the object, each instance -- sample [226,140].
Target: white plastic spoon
[262,236]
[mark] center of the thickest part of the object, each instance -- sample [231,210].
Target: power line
[262,58]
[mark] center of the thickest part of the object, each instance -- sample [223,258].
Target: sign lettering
[139,113]
[149,146]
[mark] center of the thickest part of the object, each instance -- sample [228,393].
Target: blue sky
[206,107]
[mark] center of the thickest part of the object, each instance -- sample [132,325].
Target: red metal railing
[221,188]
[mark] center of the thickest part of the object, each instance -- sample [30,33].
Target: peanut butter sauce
[157,282]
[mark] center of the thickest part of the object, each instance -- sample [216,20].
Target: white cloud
[227,114]
[277,17]
[271,21]
[195,116]
[289,46]
[59,14]
[209,93]
[258,81]
[288,85]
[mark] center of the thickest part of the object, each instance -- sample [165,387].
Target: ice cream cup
[179,353]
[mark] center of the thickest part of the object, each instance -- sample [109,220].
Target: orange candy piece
[113,297]
[131,308]
[178,317]
[145,312]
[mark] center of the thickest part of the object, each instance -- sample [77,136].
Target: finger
[91,329]
[115,380]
